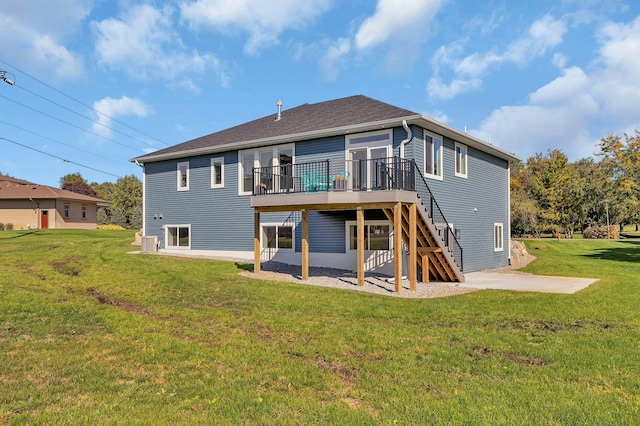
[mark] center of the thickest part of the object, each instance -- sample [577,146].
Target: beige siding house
[27,205]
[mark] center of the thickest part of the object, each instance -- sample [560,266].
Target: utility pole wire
[69,124]
[59,158]
[57,141]
[83,104]
[85,117]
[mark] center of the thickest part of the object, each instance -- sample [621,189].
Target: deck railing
[350,175]
[378,174]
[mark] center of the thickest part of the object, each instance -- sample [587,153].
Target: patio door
[365,167]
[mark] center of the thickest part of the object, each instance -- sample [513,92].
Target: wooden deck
[427,249]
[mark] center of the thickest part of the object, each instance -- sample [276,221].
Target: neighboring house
[327,184]
[27,205]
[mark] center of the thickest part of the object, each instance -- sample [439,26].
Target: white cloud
[556,116]
[559,114]
[440,90]
[334,57]
[264,21]
[543,35]
[617,83]
[392,19]
[33,33]
[112,108]
[143,44]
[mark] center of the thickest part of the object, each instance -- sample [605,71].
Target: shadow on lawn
[22,234]
[628,253]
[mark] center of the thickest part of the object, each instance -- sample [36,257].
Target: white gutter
[408,138]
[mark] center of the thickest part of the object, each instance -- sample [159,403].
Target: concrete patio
[526,282]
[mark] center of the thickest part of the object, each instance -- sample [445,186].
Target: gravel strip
[342,279]
[348,280]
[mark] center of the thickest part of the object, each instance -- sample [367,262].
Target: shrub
[1,226]
[111,227]
[8,226]
[600,232]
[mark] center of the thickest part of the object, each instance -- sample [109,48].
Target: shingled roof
[308,121]
[18,189]
[304,119]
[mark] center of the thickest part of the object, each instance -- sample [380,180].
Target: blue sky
[99,82]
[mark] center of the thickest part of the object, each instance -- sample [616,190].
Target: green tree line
[125,197]
[549,194]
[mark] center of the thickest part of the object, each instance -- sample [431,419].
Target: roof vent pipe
[279,104]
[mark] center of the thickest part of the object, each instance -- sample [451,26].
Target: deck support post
[256,242]
[425,269]
[397,246]
[360,239]
[413,245]
[305,244]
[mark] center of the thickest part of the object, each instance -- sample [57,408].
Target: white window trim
[66,210]
[424,144]
[166,237]
[179,175]
[278,225]
[84,212]
[495,228]
[256,161]
[213,162]
[466,159]
[373,144]
[349,223]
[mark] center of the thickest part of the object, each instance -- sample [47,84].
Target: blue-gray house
[352,183]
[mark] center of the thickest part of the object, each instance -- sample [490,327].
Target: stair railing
[437,217]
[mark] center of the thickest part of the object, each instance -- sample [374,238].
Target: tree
[621,158]
[74,182]
[126,202]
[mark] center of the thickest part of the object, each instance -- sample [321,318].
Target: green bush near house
[92,335]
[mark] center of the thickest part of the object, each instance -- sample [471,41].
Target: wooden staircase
[434,256]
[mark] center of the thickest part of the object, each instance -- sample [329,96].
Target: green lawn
[92,335]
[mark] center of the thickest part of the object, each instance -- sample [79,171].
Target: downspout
[408,138]
[144,219]
[37,212]
[509,207]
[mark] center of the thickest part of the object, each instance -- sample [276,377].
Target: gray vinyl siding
[485,189]
[220,219]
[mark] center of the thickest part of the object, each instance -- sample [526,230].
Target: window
[178,236]
[433,156]
[277,237]
[497,236]
[84,212]
[377,235]
[217,173]
[183,176]
[275,172]
[366,155]
[66,210]
[461,160]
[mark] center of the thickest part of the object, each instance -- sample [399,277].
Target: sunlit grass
[90,335]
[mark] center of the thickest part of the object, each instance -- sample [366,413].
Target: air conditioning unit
[149,244]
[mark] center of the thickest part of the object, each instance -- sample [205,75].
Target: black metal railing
[378,174]
[437,217]
[350,175]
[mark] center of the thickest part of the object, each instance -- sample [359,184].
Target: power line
[59,158]
[85,117]
[57,141]
[83,104]
[67,123]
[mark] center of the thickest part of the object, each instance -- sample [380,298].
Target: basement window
[178,236]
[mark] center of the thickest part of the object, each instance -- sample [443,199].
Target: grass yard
[92,335]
